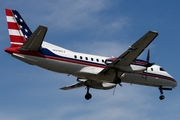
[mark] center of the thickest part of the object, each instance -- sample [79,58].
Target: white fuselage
[86,66]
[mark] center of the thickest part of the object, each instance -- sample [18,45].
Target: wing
[77,85]
[35,40]
[131,53]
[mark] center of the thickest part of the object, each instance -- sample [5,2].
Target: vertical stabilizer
[19,32]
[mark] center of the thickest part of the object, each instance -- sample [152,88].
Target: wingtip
[153,31]
[63,88]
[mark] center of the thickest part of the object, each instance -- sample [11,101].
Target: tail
[19,32]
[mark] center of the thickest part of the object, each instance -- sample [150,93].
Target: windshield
[161,69]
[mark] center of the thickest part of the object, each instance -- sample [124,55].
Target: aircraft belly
[24,58]
[63,67]
[49,64]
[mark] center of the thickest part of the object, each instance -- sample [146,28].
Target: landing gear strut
[161,97]
[88,95]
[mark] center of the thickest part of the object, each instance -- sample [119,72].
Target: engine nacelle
[132,68]
[100,85]
[81,80]
[109,61]
[107,86]
[129,69]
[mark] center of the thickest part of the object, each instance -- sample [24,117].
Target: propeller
[148,63]
[115,87]
[148,56]
[148,59]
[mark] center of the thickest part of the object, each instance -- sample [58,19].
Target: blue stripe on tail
[22,24]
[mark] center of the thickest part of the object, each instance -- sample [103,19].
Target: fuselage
[86,66]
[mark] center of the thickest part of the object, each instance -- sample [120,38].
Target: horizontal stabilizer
[24,58]
[35,40]
[77,85]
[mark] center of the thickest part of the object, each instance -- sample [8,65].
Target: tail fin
[19,32]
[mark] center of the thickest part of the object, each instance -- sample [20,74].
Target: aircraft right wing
[130,54]
[35,40]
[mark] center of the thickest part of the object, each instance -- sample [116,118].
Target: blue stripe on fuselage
[47,52]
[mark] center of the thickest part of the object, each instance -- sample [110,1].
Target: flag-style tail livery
[92,71]
[19,32]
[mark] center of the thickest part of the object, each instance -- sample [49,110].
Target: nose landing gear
[161,97]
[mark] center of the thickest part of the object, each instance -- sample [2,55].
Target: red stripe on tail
[9,12]
[18,39]
[12,25]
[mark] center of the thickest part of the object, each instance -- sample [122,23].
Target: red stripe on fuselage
[75,61]
[36,54]
[158,76]
[139,63]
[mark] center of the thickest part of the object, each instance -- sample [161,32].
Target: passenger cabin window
[161,69]
[151,69]
[75,56]
[97,60]
[80,57]
[91,59]
[103,61]
[86,58]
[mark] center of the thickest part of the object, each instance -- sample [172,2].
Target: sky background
[102,27]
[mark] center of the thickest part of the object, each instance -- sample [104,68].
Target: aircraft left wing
[77,85]
[131,54]
[35,40]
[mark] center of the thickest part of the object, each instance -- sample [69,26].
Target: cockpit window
[161,69]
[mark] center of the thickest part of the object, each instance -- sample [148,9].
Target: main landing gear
[88,95]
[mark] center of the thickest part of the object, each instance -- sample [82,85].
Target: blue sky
[100,27]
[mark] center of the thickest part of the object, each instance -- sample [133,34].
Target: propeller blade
[148,56]
[148,64]
[148,60]
[114,89]
[120,84]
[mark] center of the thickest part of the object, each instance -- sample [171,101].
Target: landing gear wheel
[88,96]
[161,97]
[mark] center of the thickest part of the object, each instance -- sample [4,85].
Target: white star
[21,20]
[20,26]
[25,36]
[26,30]
[15,16]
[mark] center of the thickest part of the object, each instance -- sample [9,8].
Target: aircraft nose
[175,83]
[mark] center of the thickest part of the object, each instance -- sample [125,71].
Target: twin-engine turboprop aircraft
[92,71]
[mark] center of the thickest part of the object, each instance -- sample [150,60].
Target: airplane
[91,71]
